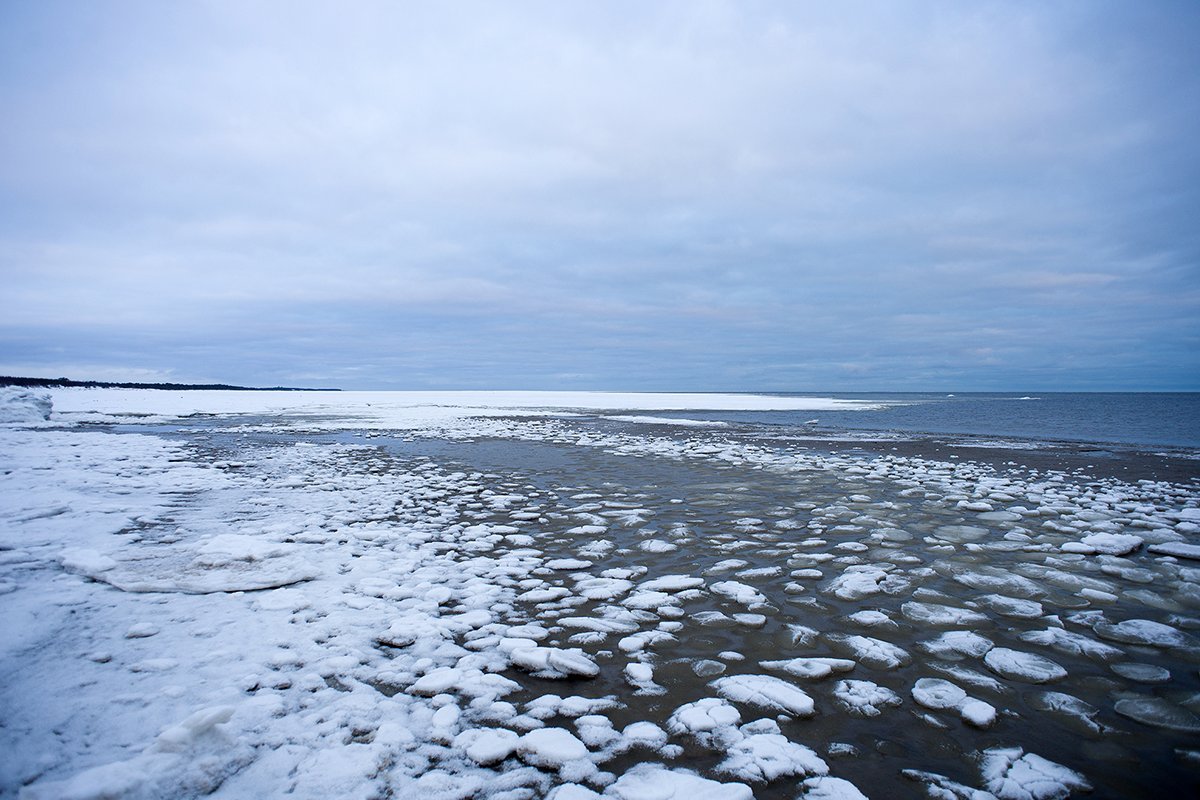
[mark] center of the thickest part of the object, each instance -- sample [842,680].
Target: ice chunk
[738,592]
[20,406]
[769,756]
[977,712]
[572,791]
[864,698]
[551,747]
[855,584]
[1176,549]
[765,692]
[88,563]
[1071,643]
[940,787]
[567,564]
[227,547]
[672,583]
[1115,544]
[957,644]
[553,662]
[1011,606]
[824,787]
[1141,631]
[1021,666]
[941,615]
[656,782]
[937,694]
[708,719]
[486,746]
[1012,774]
[1143,673]
[1082,714]
[178,737]
[874,653]
[1158,713]
[812,668]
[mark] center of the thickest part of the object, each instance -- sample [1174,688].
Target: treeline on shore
[46,383]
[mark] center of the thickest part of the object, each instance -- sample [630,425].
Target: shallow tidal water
[791,524]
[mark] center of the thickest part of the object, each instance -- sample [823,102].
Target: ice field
[244,595]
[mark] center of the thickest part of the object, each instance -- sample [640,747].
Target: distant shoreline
[47,383]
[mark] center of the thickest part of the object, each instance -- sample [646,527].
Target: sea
[1134,420]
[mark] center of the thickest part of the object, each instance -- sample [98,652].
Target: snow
[655,782]
[553,662]
[1021,666]
[551,747]
[762,757]
[24,406]
[937,694]
[1158,713]
[706,718]
[195,610]
[738,593]
[813,668]
[1013,774]
[765,691]
[865,698]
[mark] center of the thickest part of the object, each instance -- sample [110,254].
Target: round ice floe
[1011,606]
[1159,713]
[1080,713]
[864,698]
[765,692]
[870,618]
[870,652]
[1141,631]
[937,694]
[656,782]
[768,756]
[994,579]
[811,668]
[941,615]
[824,787]
[1142,673]
[707,668]
[487,746]
[1115,544]
[567,564]
[1020,666]
[711,721]
[672,583]
[1013,774]
[738,592]
[551,662]
[956,644]
[551,747]
[1176,549]
[977,713]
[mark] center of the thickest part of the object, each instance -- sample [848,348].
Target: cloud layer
[619,196]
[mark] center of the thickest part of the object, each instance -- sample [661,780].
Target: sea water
[1144,420]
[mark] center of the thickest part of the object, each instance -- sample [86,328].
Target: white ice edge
[402,409]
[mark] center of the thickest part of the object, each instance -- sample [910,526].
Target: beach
[580,595]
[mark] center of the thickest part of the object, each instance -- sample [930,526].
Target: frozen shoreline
[219,612]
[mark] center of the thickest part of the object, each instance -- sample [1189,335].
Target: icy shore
[273,600]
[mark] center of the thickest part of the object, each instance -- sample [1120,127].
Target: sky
[674,196]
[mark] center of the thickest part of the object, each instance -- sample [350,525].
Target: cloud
[653,196]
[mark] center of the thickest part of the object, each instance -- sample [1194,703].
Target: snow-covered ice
[367,595]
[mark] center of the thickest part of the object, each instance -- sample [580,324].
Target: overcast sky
[645,195]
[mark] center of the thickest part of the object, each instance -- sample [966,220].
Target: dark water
[1141,420]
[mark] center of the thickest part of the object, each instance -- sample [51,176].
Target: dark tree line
[9,380]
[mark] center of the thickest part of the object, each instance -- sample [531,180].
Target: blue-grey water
[1141,420]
